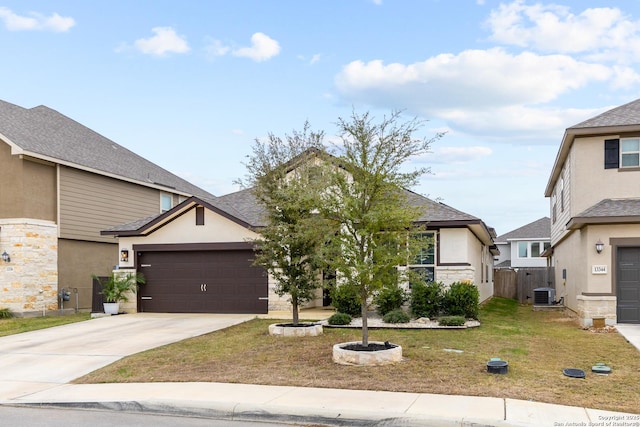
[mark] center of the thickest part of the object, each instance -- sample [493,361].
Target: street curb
[270,413]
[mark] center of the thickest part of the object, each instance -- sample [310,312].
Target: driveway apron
[43,359]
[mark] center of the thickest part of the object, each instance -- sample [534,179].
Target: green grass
[16,325]
[537,345]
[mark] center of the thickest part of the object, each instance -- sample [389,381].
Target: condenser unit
[544,296]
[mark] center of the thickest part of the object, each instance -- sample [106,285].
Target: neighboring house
[63,183]
[197,257]
[523,247]
[594,190]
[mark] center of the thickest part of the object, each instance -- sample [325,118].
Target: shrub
[462,299]
[345,299]
[390,298]
[451,321]
[426,299]
[5,313]
[396,316]
[339,319]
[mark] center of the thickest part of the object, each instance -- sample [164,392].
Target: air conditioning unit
[544,296]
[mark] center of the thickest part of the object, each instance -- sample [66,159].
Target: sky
[191,84]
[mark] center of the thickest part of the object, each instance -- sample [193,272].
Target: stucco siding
[596,182]
[77,261]
[90,203]
[453,246]
[29,188]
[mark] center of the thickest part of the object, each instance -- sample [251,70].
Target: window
[553,207]
[523,249]
[166,202]
[424,262]
[532,249]
[561,194]
[630,153]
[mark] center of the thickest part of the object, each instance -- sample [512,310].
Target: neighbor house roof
[45,134]
[608,211]
[625,118]
[539,229]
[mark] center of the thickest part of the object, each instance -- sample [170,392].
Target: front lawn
[537,345]
[16,325]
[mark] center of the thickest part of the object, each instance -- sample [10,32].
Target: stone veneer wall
[590,307]
[452,274]
[29,283]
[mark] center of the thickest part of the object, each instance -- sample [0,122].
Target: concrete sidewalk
[317,405]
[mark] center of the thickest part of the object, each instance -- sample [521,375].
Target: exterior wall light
[6,257]
[599,246]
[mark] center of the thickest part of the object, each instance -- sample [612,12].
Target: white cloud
[482,77]
[35,21]
[457,155]
[216,48]
[164,41]
[605,32]
[262,48]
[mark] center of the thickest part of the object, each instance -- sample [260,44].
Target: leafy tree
[287,181]
[368,200]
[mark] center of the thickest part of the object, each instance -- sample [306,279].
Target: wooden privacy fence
[519,283]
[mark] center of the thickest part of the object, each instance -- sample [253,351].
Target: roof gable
[539,229]
[44,133]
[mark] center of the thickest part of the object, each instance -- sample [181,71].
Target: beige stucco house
[63,183]
[594,192]
[197,257]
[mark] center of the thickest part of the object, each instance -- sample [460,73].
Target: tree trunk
[294,307]
[365,327]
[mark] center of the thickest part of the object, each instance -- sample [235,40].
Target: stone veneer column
[29,283]
[590,307]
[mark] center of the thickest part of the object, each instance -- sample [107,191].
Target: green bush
[426,299]
[462,299]
[5,313]
[339,319]
[345,299]
[451,321]
[396,316]
[390,298]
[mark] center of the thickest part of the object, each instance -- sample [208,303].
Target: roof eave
[576,223]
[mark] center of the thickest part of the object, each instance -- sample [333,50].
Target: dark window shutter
[199,215]
[611,153]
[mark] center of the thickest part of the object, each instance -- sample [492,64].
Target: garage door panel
[202,282]
[628,285]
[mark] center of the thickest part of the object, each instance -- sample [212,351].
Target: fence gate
[519,283]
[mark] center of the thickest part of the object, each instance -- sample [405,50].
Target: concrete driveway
[39,360]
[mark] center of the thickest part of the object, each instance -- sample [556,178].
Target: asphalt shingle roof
[45,132]
[540,228]
[624,115]
[613,208]
[245,202]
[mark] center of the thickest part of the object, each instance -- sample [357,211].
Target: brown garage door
[221,281]
[628,285]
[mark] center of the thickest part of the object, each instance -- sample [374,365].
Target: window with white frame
[532,249]
[630,153]
[425,261]
[166,202]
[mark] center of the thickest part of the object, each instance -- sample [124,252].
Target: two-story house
[594,192]
[524,246]
[60,185]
